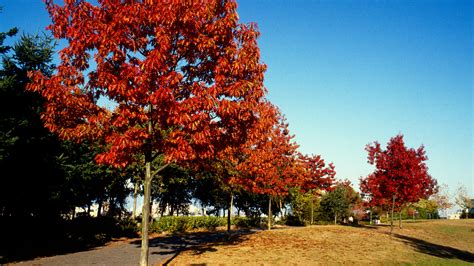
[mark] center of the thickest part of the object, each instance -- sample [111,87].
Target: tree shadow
[367,226]
[28,239]
[436,250]
[196,242]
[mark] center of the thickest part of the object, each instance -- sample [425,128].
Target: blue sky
[346,73]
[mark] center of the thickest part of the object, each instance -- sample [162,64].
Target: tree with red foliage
[315,176]
[185,77]
[400,176]
[229,162]
[270,167]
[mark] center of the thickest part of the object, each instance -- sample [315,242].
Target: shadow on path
[436,250]
[198,242]
[27,239]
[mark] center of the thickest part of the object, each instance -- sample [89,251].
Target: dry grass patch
[431,242]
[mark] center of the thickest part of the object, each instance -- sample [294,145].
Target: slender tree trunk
[312,209]
[146,212]
[400,220]
[269,212]
[371,216]
[135,195]
[391,217]
[229,212]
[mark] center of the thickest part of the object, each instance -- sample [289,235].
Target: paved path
[118,253]
[162,250]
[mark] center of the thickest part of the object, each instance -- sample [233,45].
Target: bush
[179,224]
[246,221]
[292,220]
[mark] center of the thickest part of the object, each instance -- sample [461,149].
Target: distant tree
[441,197]
[210,190]
[338,202]
[427,208]
[400,176]
[301,206]
[173,190]
[315,177]
[463,200]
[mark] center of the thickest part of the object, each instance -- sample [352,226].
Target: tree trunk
[391,217]
[269,212]
[400,220]
[370,216]
[229,212]
[312,209]
[135,194]
[335,219]
[146,212]
[281,208]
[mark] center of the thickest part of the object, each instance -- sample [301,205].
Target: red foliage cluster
[186,77]
[316,175]
[399,171]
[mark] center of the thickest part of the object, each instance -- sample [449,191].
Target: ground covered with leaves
[421,242]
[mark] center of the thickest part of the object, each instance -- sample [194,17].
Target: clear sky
[346,73]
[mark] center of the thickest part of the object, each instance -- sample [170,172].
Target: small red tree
[270,167]
[315,176]
[400,176]
[185,77]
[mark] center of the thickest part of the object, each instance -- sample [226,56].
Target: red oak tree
[271,164]
[400,176]
[228,166]
[185,76]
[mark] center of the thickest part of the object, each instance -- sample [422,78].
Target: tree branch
[159,170]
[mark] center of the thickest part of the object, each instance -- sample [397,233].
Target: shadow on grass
[436,250]
[28,239]
[196,242]
[367,226]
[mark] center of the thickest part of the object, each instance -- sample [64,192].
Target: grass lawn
[434,242]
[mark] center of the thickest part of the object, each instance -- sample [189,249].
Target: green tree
[173,188]
[300,204]
[338,202]
[30,174]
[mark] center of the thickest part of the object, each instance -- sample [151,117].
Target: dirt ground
[432,242]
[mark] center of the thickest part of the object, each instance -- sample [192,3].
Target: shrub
[246,221]
[179,224]
[293,220]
